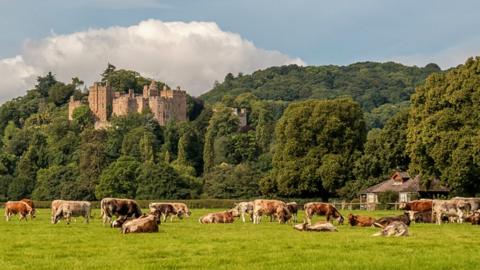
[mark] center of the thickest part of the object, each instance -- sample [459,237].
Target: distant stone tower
[100,101]
[72,105]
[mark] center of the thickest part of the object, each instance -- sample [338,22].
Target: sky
[192,43]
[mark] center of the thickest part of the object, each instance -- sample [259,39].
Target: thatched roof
[409,185]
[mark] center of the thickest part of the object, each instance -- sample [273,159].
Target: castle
[165,104]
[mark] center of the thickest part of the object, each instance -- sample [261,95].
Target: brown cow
[163,210]
[17,207]
[30,203]
[110,207]
[142,224]
[220,217]
[384,221]
[417,205]
[272,208]
[293,208]
[362,221]
[322,209]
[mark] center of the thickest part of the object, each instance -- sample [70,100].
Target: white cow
[68,209]
[245,208]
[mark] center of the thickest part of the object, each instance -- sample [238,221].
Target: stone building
[165,105]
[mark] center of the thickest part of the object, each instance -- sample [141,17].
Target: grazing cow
[362,221]
[17,207]
[417,205]
[220,217]
[420,217]
[320,226]
[182,209]
[143,224]
[474,218]
[68,209]
[396,228]
[450,208]
[384,221]
[273,208]
[110,207]
[30,203]
[162,209]
[245,208]
[322,209]
[293,208]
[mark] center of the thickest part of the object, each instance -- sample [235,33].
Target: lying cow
[420,217]
[362,221]
[18,207]
[143,224]
[317,227]
[245,208]
[220,217]
[293,208]
[163,210]
[322,209]
[110,207]
[396,228]
[68,209]
[272,208]
[385,221]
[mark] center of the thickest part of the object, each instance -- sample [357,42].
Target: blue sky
[317,32]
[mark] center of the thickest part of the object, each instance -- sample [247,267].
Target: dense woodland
[326,131]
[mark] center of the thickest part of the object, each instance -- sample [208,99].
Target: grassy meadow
[186,244]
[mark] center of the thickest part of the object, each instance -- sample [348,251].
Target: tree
[59,93]
[229,181]
[443,128]
[44,83]
[118,179]
[160,181]
[53,182]
[83,117]
[317,142]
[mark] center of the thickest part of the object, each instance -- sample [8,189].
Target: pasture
[187,244]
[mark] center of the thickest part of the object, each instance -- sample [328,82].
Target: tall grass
[186,244]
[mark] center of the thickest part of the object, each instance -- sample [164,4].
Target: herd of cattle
[129,217]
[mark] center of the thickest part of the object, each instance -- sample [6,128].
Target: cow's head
[234,212]
[352,219]
[411,215]
[402,205]
[340,220]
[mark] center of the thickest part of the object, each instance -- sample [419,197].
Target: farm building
[407,188]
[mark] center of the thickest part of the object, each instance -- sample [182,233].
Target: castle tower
[100,101]
[150,90]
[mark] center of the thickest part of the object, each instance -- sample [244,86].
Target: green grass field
[187,244]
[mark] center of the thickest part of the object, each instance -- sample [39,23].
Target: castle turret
[100,101]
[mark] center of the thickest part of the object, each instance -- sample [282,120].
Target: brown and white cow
[17,207]
[182,210]
[68,209]
[163,210]
[417,205]
[143,224]
[454,209]
[272,208]
[322,209]
[293,208]
[245,208]
[473,204]
[220,217]
[320,226]
[110,207]
[362,221]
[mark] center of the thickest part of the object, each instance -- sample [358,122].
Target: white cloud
[192,55]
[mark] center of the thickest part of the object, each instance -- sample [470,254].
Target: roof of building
[409,185]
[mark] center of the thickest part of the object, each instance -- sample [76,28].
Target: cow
[17,207]
[182,209]
[273,208]
[320,226]
[474,218]
[67,209]
[420,217]
[220,217]
[451,208]
[396,228]
[293,208]
[162,210]
[143,224]
[245,208]
[417,205]
[322,209]
[110,207]
[473,203]
[362,221]
[30,203]
[385,221]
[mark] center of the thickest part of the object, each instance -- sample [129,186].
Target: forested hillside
[295,143]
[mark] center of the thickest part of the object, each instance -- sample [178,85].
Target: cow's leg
[243,216]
